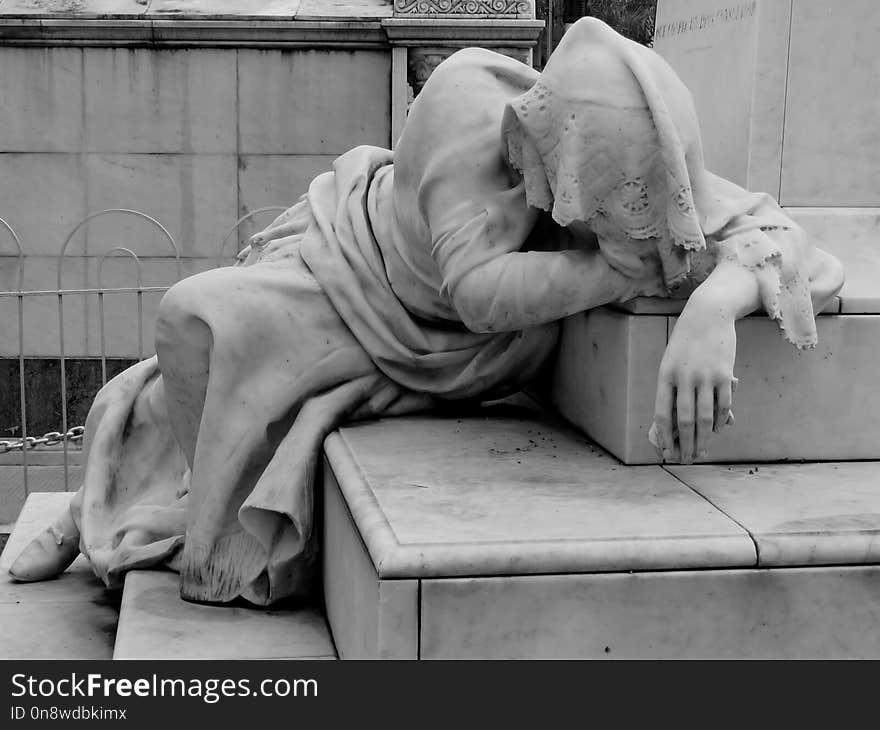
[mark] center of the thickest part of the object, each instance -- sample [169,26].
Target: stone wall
[195,137]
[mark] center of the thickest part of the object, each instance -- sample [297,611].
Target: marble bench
[505,533]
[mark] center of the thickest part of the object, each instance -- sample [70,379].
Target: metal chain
[74,435]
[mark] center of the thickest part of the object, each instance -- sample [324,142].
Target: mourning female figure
[435,272]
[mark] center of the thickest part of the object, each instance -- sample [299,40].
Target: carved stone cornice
[466,8]
[461,32]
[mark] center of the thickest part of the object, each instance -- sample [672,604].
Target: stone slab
[301,101]
[804,514]
[202,8]
[787,120]
[151,100]
[781,390]
[831,150]
[370,618]
[443,497]
[699,38]
[70,617]
[42,100]
[274,180]
[193,196]
[672,307]
[27,181]
[605,378]
[781,613]
[155,623]
[816,405]
[853,235]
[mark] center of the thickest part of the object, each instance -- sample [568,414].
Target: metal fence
[66,442]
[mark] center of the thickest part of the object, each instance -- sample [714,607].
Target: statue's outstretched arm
[696,382]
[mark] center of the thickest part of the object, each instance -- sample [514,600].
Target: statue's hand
[695,384]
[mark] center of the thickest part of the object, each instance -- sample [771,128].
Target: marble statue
[434,272]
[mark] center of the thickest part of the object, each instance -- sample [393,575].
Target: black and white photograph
[433,329]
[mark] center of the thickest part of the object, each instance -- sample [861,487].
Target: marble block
[853,235]
[745,42]
[27,181]
[42,99]
[605,377]
[831,147]
[370,618]
[780,395]
[150,100]
[155,623]
[794,116]
[798,514]
[498,533]
[438,497]
[782,613]
[310,102]
[193,196]
[70,617]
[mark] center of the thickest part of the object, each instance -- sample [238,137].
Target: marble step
[70,617]
[155,623]
[505,534]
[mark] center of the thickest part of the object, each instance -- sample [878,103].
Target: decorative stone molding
[191,33]
[464,8]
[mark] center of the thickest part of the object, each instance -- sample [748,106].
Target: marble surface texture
[425,498]
[605,378]
[831,149]
[267,9]
[853,235]
[370,618]
[788,120]
[155,623]
[798,514]
[781,613]
[456,504]
[699,38]
[780,389]
[70,617]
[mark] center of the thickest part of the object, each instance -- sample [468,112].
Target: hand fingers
[270,234]
[705,419]
[663,422]
[686,421]
[723,401]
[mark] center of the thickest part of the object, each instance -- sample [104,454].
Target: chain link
[74,435]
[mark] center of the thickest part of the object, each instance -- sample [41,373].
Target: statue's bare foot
[50,553]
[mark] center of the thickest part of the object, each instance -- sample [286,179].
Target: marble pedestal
[790,405]
[505,534]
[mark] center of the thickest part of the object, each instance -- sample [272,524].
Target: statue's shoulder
[479,68]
